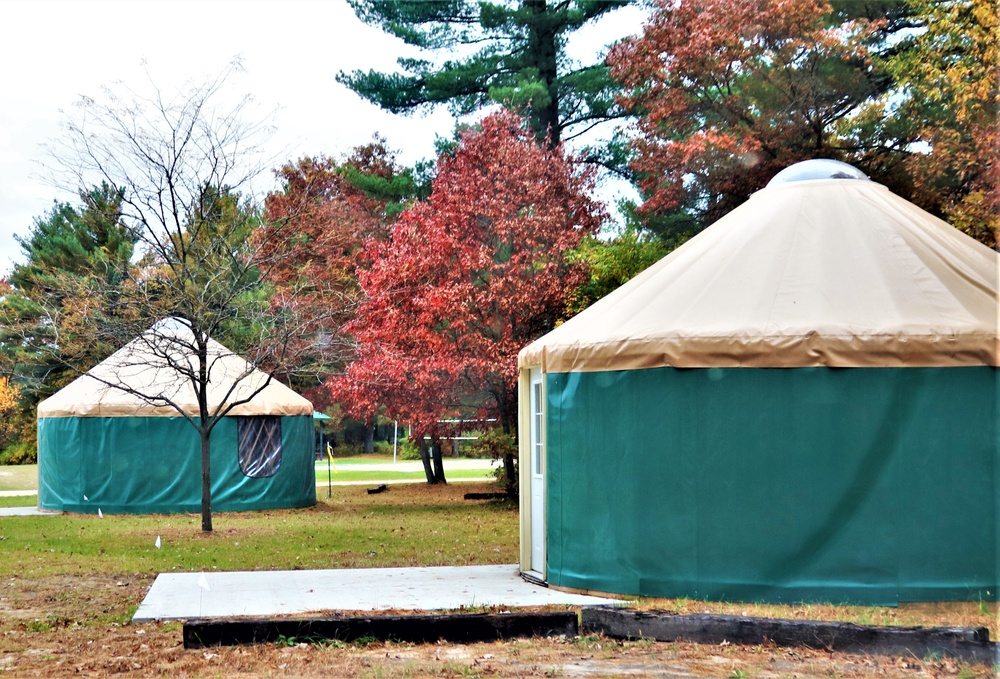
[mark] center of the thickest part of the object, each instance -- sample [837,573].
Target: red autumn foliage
[324,220]
[469,277]
[731,91]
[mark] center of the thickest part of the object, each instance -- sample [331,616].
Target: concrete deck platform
[262,593]
[27,511]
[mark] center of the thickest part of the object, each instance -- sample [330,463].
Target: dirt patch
[79,625]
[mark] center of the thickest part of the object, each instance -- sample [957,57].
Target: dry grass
[78,625]
[69,585]
[958,614]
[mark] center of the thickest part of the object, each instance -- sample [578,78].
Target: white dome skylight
[819,168]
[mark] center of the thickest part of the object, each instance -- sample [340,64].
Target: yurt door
[537,456]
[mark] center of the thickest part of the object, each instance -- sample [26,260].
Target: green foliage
[87,240]
[493,443]
[349,450]
[613,262]
[55,318]
[58,314]
[506,481]
[408,450]
[499,445]
[946,98]
[405,450]
[288,642]
[395,191]
[20,452]
[513,53]
[206,272]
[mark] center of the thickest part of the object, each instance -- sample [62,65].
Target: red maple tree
[728,92]
[324,217]
[468,278]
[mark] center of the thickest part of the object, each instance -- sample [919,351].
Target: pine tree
[519,60]
[74,257]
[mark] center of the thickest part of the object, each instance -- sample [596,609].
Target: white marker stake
[100,514]
[203,583]
[157,543]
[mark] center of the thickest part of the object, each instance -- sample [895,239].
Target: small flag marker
[203,582]
[100,514]
[157,543]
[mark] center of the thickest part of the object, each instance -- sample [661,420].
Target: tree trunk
[425,453]
[544,53]
[206,482]
[510,474]
[508,421]
[370,438]
[438,460]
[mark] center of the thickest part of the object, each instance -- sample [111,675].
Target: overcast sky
[53,52]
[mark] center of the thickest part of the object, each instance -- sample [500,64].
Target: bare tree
[184,164]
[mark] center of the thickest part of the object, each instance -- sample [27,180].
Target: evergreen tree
[77,259]
[72,256]
[518,58]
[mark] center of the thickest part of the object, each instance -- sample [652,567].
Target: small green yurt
[798,404]
[127,449]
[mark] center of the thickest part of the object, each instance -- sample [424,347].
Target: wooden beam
[968,643]
[462,628]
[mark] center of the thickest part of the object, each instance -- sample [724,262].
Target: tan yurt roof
[817,269]
[143,365]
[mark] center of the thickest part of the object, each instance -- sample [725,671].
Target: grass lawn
[19,501]
[374,458]
[392,475]
[19,477]
[416,525]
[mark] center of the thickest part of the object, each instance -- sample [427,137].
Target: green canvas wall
[146,465]
[809,484]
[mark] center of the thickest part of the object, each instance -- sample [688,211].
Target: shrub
[495,443]
[408,450]
[21,452]
[348,450]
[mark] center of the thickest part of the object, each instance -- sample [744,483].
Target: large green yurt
[798,404]
[115,440]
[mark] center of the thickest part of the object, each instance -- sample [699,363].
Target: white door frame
[536,473]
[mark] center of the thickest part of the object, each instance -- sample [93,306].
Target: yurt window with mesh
[259,447]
